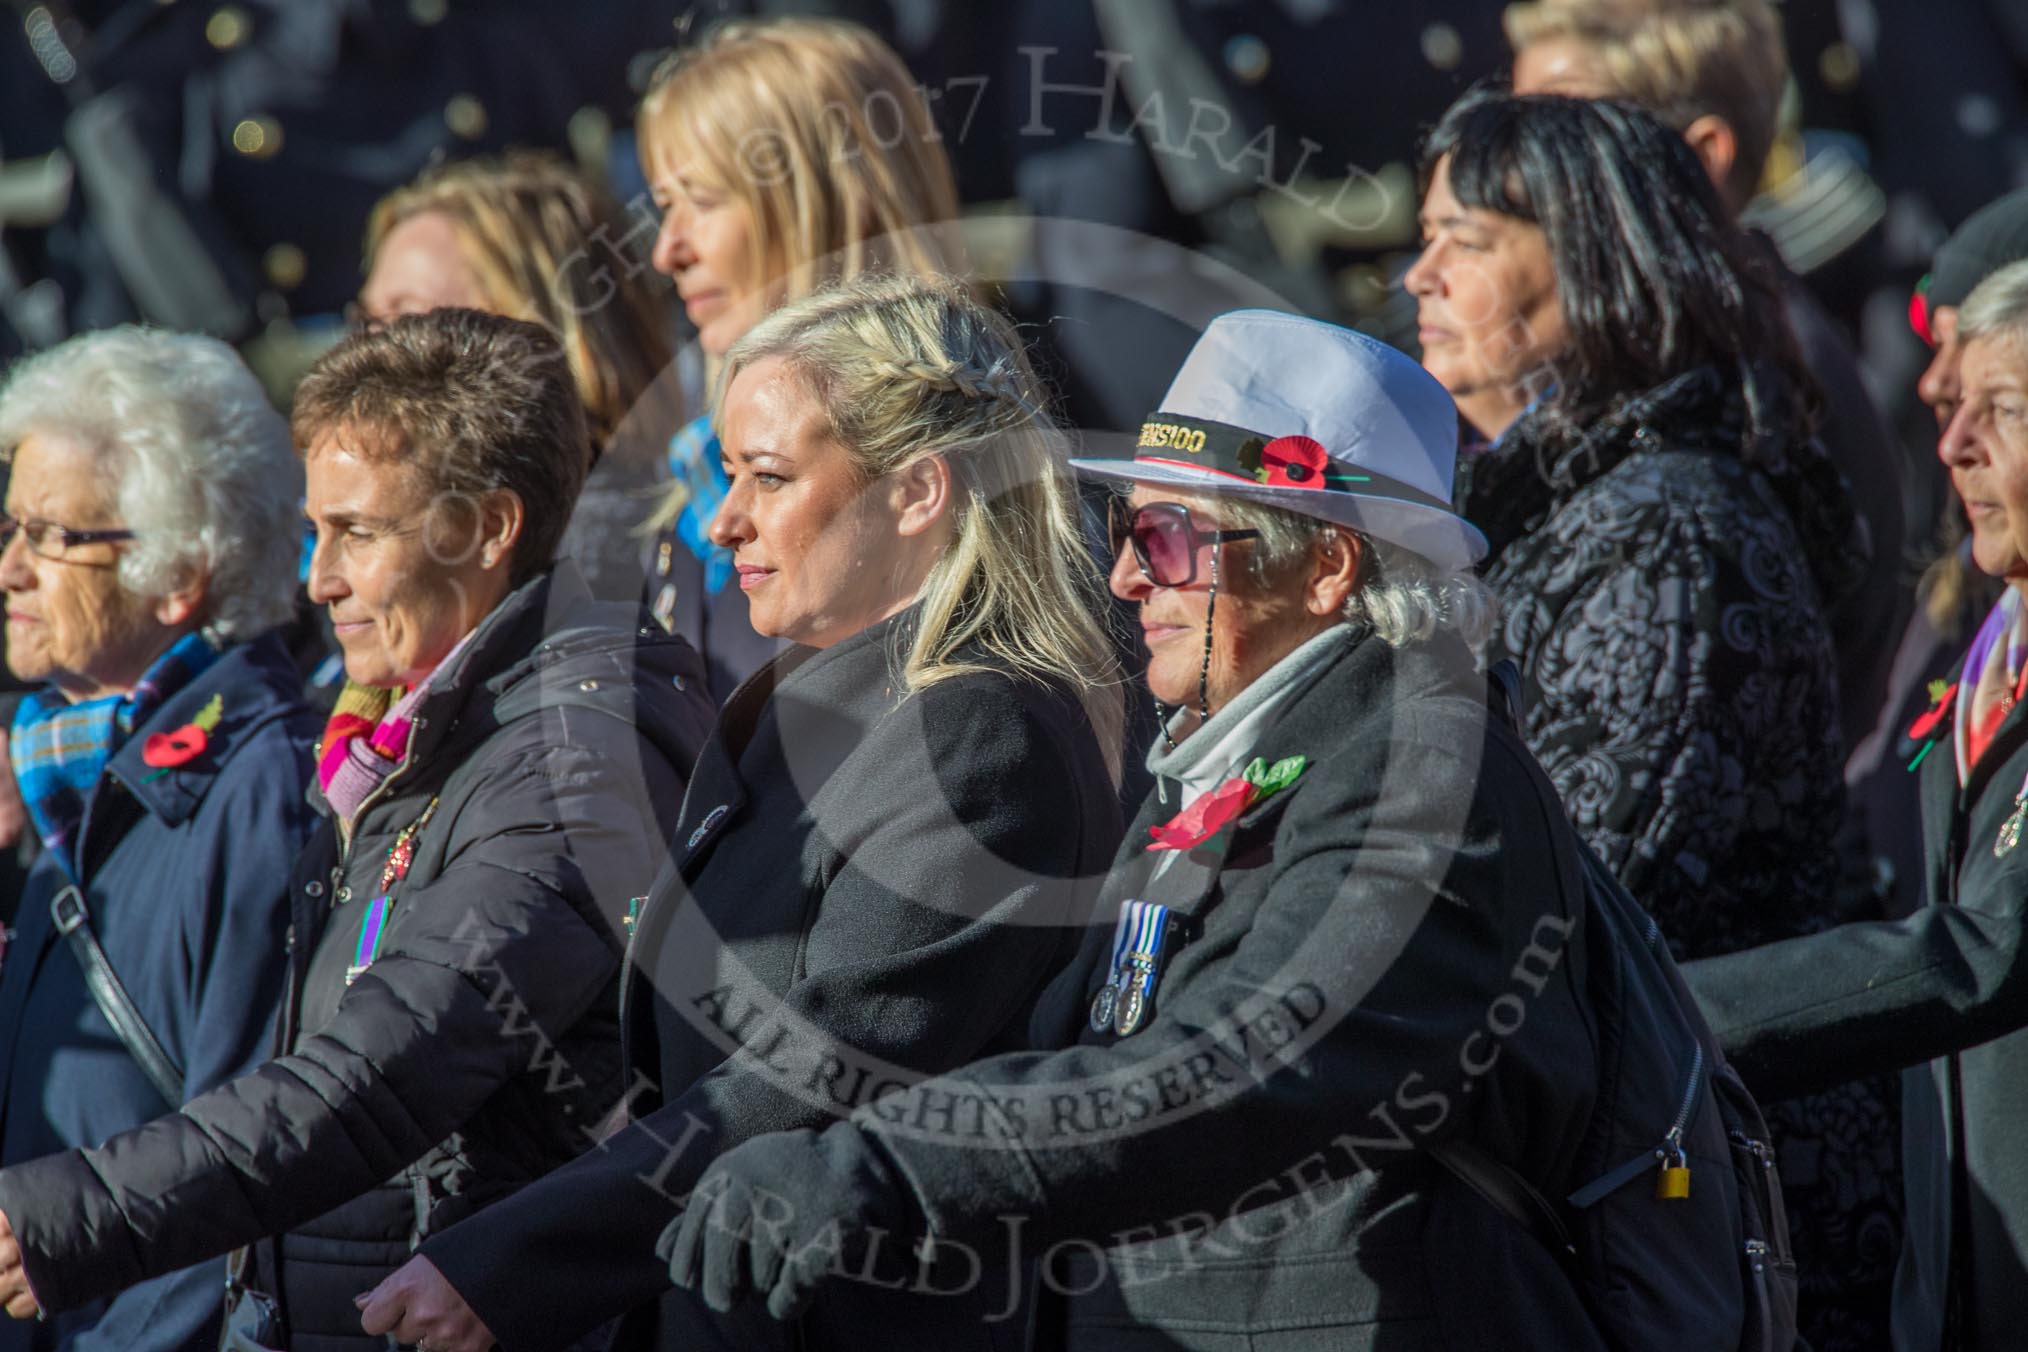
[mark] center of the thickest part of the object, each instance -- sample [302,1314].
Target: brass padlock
[1673,1184]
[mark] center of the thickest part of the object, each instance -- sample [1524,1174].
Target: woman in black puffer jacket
[497,783]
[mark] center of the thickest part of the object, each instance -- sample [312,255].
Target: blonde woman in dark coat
[887,843]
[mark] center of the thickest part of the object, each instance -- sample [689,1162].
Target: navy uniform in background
[225,156]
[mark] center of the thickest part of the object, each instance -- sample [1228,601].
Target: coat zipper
[291,1009]
[1667,1156]
[1757,1260]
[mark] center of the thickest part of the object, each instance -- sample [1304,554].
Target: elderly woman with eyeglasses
[497,780]
[149,530]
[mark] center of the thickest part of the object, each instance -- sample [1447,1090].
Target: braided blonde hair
[912,367]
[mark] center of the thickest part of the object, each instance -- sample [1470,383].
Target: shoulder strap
[67,910]
[1502,1186]
[1503,692]
[1507,1191]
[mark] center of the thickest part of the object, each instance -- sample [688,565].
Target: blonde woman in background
[783,155]
[530,237]
[883,844]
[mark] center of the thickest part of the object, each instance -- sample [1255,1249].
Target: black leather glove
[778,1215]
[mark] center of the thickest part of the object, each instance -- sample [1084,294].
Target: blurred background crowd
[212,167]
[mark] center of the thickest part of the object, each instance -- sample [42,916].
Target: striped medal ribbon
[1122,1004]
[373,924]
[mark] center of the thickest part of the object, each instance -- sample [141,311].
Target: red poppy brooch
[166,750]
[1929,728]
[1209,813]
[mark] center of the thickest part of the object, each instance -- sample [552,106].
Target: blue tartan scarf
[60,749]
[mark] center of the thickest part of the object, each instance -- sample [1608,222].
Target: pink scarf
[367,739]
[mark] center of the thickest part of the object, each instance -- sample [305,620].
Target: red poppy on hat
[1294,462]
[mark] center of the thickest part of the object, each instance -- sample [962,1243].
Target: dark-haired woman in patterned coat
[1666,539]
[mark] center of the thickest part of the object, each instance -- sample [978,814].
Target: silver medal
[2010,830]
[1132,1006]
[1102,1007]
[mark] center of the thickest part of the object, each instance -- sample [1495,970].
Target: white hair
[1403,596]
[1997,305]
[206,473]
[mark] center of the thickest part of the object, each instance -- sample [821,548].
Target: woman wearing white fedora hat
[1303,934]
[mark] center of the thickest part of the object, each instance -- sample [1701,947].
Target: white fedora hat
[1313,418]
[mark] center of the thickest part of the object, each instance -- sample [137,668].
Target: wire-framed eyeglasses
[52,541]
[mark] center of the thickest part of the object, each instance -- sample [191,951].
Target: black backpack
[1711,1269]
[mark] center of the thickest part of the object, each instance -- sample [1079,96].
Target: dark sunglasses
[1164,539]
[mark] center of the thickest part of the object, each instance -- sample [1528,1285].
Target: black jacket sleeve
[1805,1014]
[495,958]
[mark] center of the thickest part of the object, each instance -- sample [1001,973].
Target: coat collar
[857,672]
[512,643]
[256,684]
[506,645]
[1939,791]
[1350,700]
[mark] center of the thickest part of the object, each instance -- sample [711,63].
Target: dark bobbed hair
[1653,278]
[469,401]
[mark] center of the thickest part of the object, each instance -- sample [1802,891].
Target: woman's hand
[14,1292]
[420,1308]
[774,1218]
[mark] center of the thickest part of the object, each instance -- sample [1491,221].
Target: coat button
[257,137]
[285,266]
[227,28]
[313,888]
[711,819]
[1840,66]
[587,686]
[1442,46]
[344,894]
[465,116]
[1247,57]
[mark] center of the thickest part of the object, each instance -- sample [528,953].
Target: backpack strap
[67,910]
[1507,1191]
[1498,1183]
[1503,692]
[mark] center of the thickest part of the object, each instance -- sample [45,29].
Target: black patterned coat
[1664,596]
